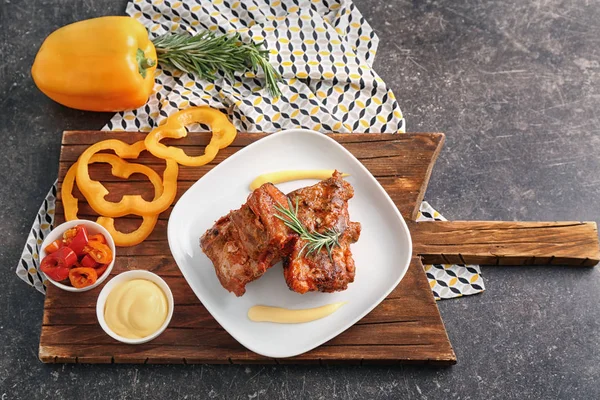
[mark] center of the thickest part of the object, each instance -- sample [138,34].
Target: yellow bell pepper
[100,64]
[95,192]
[223,134]
[121,169]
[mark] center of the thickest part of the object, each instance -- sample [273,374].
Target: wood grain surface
[406,327]
[506,243]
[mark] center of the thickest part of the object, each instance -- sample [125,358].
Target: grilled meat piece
[233,266]
[319,272]
[245,243]
[262,202]
[322,207]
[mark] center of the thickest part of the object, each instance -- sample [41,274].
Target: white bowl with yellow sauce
[135,307]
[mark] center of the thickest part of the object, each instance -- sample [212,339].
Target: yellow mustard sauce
[291,175]
[288,316]
[136,309]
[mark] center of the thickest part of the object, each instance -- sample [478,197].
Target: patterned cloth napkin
[448,281]
[323,49]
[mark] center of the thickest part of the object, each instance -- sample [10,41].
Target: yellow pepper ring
[95,192]
[70,202]
[223,134]
[121,169]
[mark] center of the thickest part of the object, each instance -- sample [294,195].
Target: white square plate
[382,254]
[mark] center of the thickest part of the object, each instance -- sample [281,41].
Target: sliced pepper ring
[124,170]
[95,192]
[223,134]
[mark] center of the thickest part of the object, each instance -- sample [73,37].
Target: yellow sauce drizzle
[136,309]
[287,316]
[291,175]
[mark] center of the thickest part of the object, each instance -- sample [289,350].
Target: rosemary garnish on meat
[315,241]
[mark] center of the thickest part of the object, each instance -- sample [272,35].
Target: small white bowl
[92,228]
[124,277]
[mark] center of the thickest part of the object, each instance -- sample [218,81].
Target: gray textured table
[516,87]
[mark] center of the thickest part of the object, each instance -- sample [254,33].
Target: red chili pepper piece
[100,252]
[79,241]
[82,277]
[56,265]
[97,237]
[101,269]
[88,262]
[52,247]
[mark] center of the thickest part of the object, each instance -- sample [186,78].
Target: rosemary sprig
[315,241]
[206,53]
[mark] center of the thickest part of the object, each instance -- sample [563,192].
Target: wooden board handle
[506,243]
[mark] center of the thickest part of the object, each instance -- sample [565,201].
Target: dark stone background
[514,84]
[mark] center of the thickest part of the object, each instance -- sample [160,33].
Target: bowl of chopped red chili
[77,256]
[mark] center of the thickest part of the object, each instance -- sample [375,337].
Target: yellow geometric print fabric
[322,49]
[448,281]
[27,268]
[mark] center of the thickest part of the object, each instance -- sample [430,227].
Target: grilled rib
[245,243]
[322,207]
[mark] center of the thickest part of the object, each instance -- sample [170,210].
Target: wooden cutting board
[406,327]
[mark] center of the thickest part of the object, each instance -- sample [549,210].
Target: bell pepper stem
[147,63]
[143,62]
